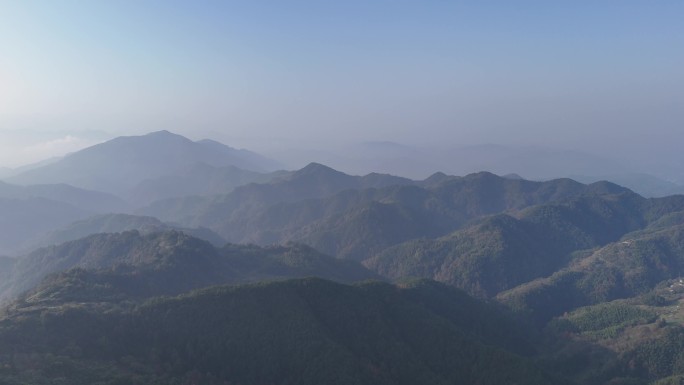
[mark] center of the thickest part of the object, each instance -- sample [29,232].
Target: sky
[601,76]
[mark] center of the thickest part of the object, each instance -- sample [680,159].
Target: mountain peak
[606,187]
[483,175]
[121,163]
[317,168]
[437,178]
[160,134]
[163,134]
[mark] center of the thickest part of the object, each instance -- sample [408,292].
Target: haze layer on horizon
[605,77]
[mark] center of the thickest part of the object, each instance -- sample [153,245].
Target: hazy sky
[602,75]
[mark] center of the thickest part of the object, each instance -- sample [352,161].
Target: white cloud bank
[17,151]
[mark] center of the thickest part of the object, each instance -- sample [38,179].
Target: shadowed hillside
[172,262]
[305,331]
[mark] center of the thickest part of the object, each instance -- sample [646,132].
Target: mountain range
[205,265]
[174,260]
[417,161]
[358,222]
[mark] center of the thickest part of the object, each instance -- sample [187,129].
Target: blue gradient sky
[598,75]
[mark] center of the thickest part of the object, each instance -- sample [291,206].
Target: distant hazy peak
[437,178]
[606,187]
[482,175]
[167,135]
[162,133]
[153,138]
[120,164]
[314,168]
[437,175]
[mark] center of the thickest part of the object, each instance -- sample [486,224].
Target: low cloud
[16,152]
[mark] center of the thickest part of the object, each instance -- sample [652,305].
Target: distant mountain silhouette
[120,164]
[317,181]
[414,161]
[21,220]
[311,182]
[27,212]
[197,179]
[646,185]
[93,201]
[115,223]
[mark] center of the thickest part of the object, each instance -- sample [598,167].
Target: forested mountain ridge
[572,272]
[361,222]
[305,331]
[506,250]
[174,262]
[632,266]
[548,246]
[311,182]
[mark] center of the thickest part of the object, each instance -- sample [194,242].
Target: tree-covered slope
[503,251]
[171,262]
[361,222]
[304,331]
[631,266]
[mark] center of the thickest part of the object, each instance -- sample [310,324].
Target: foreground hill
[303,331]
[172,262]
[118,165]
